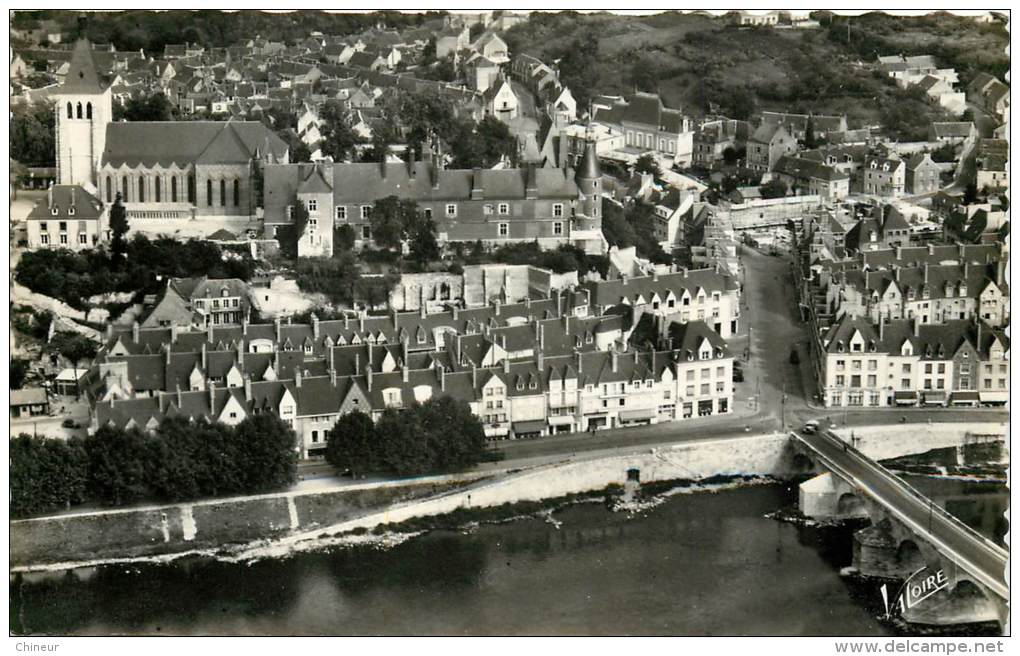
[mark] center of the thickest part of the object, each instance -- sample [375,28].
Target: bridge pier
[828,497]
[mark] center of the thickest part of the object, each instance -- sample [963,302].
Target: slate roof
[798,167]
[148,143]
[64,197]
[83,75]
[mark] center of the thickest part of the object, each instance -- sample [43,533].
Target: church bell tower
[83,107]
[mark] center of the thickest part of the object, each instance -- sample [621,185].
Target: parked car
[69,423]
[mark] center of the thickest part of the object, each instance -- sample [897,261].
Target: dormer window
[533,384]
[53,211]
[70,211]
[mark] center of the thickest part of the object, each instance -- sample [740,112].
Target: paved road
[979,557]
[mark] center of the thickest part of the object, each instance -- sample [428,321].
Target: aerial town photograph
[509,323]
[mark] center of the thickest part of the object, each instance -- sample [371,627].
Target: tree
[299,221]
[648,164]
[338,137]
[456,437]
[116,466]
[344,238]
[46,474]
[809,133]
[392,219]
[268,448]
[19,369]
[404,444]
[353,444]
[740,104]
[774,188]
[75,348]
[119,226]
[32,134]
[145,108]
[579,66]
[336,277]
[423,243]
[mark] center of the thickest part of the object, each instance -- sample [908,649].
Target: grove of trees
[439,435]
[181,460]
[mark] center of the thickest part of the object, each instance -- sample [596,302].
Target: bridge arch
[909,556]
[849,504]
[802,464]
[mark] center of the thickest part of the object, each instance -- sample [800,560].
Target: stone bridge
[908,533]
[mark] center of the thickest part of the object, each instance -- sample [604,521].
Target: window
[173,190]
[63,238]
[428,212]
[451,209]
[366,211]
[557,228]
[223,193]
[312,205]
[341,213]
[942,367]
[504,229]
[487,209]
[192,192]
[45,239]
[558,209]
[158,190]
[77,111]
[109,189]
[366,232]
[504,209]
[88,110]
[208,193]
[237,192]
[70,113]
[141,190]
[83,238]
[705,389]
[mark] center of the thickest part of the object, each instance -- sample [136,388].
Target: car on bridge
[810,428]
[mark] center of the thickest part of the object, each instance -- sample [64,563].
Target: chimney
[896,272]
[615,360]
[502,342]
[559,302]
[73,199]
[978,345]
[404,343]
[173,332]
[244,326]
[477,188]
[527,302]
[1000,272]
[405,373]
[496,306]
[315,326]
[881,328]
[421,305]
[899,252]
[579,363]
[623,278]
[541,336]
[209,330]
[531,185]
[212,396]
[109,330]
[917,327]
[49,197]
[297,376]
[566,323]
[247,387]
[278,323]
[685,273]
[926,273]
[134,331]
[204,357]
[168,352]
[456,312]
[966,271]
[347,318]
[931,249]
[368,377]
[506,365]
[655,275]
[178,395]
[540,362]
[361,321]
[357,362]
[474,375]
[442,379]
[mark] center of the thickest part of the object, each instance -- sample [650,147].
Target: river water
[698,564]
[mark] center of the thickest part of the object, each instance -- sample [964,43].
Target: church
[184,178]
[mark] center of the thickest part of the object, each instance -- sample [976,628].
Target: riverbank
[279,524]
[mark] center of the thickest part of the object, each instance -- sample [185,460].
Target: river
[698,564]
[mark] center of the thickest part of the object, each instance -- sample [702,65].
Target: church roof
[185,142]
[82,75]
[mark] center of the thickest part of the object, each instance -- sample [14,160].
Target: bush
[46,475]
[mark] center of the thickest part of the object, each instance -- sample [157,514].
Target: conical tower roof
[589,167]
[82,75]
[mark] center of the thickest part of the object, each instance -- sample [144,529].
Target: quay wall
[78,538]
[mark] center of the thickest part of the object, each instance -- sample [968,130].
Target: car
[810,428]
[69,423]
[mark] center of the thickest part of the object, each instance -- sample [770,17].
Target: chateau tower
[589,182]
[83,107]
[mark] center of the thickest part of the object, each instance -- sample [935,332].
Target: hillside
[703,64]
